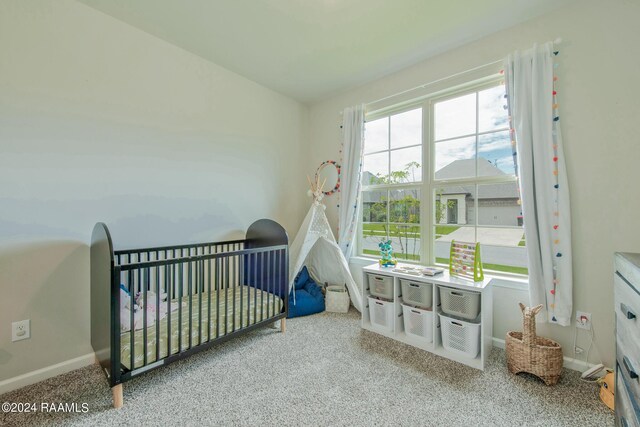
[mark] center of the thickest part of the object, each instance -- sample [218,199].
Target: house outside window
[443,168]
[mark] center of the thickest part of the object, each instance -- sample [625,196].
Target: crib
[153,306]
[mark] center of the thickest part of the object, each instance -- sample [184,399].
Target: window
[444,168]
[392,176]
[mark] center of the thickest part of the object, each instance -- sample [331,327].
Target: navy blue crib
[153,306]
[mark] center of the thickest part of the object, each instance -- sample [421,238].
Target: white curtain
[535,120]
[353,134]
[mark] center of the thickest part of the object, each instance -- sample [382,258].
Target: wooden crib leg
[118,399]
[283,325]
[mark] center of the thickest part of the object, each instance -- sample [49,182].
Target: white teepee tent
[316,247]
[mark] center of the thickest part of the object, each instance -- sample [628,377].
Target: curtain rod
[557,41]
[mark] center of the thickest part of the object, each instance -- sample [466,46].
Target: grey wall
[102,122]
[598,96]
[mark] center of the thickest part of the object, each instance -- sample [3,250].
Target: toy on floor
[607,390]
[386,252]
[306,297]
[527,352]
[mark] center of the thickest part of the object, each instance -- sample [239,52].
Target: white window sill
[497,280]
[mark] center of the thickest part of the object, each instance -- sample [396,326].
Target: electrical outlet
[583,320]
[20,330]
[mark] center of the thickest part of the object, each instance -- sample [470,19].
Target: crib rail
[129,256]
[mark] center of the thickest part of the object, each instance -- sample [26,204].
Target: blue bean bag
[308,296]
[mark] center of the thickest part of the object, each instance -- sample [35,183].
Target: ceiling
[310,49]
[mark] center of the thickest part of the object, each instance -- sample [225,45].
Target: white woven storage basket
[380,286]
[459,336]
[465,304]
[418,323]
[381,314]
[416,293]
[337,299]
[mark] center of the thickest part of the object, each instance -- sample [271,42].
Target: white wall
[599,108]
[100,121]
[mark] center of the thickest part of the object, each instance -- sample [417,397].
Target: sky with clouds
[454,118]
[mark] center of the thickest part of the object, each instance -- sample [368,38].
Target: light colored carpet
[324,371]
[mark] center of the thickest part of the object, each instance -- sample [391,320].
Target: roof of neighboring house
[465,167]
[460,169]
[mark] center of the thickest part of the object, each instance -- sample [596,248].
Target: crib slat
[268,284]
[226,292]
[255,287]
[132,339]
[173,281]
[190,285]
[233,304]
[209,298]
[245,281]
[180,280]
[200,274]
[262,286]
[239,270]
[157,274]
[167,289]
[218,281]
[144,313]
[273,284]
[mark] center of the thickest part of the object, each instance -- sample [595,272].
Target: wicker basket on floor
[527,352]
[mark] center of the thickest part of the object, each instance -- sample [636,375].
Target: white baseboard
[45,373]
[574,364]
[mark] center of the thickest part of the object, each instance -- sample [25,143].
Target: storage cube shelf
[448,316]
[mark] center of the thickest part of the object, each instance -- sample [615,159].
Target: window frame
[391,187]
[429,183]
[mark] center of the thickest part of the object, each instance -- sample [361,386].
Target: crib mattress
[256,306]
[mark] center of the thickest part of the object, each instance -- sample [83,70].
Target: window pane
[455,206]
[376,135]
[375,168]
[404,214]
[406,129]
[374,218]
[455,117]
[498,204]
[443,235]
[491,112]
[495,154]
[406,165]
[405,206]
[405,240]
[501,250]
[374,208]
[456,158]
